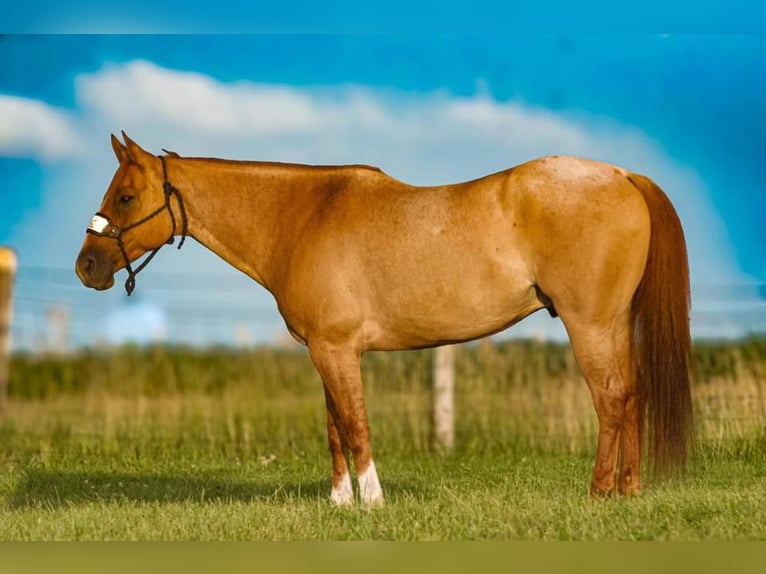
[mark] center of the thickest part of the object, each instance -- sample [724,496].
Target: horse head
[131,220]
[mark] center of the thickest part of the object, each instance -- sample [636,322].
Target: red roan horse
[358,261]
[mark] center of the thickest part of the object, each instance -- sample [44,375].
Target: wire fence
[53,312]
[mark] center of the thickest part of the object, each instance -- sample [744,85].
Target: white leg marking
[343,494]
[369,487]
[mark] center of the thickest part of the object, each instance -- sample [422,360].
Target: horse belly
[450,299]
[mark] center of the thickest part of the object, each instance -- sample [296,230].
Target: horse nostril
[86,265]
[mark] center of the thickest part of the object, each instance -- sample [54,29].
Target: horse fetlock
[342,493]
[628,483]
[370,490]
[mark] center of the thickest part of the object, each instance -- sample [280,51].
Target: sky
[686,110]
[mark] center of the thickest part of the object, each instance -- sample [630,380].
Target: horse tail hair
[661,340]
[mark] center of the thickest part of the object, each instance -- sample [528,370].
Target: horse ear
[135,152]
[119,150]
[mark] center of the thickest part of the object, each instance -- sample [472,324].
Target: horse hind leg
[602,351]
[628,480]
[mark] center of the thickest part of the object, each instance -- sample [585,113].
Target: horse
[357,260]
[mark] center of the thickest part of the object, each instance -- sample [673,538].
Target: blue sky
[687,110]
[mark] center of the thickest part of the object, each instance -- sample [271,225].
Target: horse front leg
[347,426]
[342,493]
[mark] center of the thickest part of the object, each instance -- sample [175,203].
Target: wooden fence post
[7,274]
[443,410]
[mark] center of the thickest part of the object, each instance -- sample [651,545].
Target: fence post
[7,274]
[443,409]
[58,329]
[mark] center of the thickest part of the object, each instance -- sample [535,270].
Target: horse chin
[98,286]
[104,286]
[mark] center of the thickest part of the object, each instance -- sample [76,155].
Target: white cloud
[421,138]
[33,128]
[142,93]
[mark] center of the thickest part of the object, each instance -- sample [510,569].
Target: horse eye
[126,198]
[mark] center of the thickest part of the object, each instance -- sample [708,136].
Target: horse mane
[169,153]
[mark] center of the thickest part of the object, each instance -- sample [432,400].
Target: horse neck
[244,211]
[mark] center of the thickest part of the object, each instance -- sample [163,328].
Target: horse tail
[661,338]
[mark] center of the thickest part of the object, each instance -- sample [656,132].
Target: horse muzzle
[94,269]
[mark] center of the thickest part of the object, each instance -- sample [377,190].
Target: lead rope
[169,189]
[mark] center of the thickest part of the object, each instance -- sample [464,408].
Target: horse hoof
[601,493]
[632,490]
[338,503]
[374,503]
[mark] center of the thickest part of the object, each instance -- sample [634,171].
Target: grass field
[181,444]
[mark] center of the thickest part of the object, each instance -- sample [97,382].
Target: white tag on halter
[98,224]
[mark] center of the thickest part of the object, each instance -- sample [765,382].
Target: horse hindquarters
[633,351]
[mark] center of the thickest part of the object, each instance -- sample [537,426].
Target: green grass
[461,497]
[230,446]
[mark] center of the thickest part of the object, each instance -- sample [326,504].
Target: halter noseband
[101,226]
